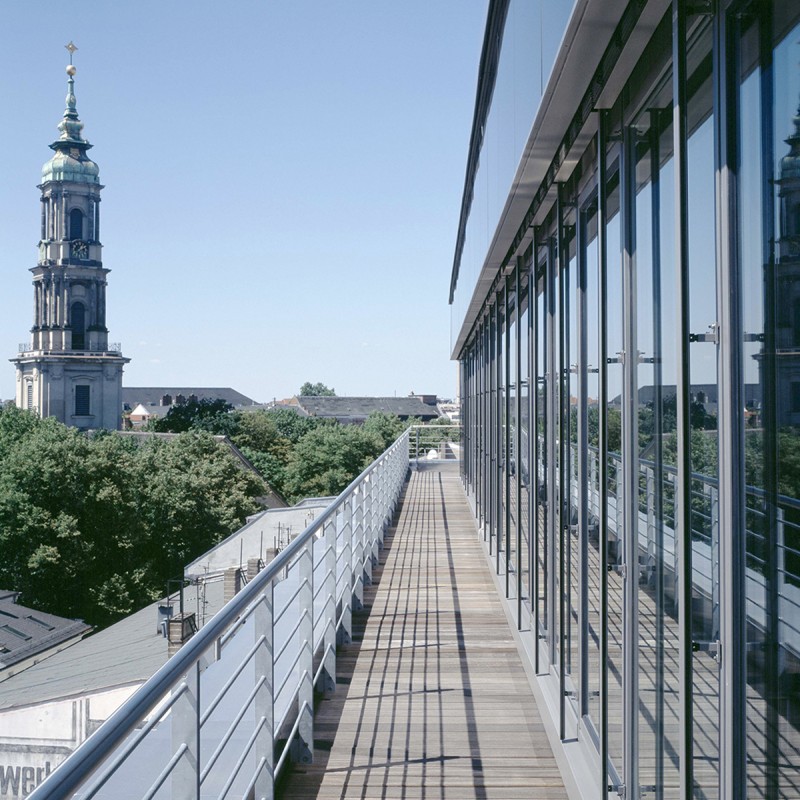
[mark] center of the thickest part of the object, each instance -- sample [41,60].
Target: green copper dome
[70,162]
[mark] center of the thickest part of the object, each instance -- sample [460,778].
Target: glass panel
[523,458]
[571,489]
[593,466]
[614,487]
[782,666]
[510,463]
[542,523]
[703,421]
[770,366]
[656,380]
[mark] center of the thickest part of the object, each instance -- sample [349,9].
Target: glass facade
[631,408]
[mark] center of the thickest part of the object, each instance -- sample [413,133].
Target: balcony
[386,608]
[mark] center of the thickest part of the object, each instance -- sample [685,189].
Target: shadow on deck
[432,699]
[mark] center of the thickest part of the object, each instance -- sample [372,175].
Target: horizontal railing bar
[115,764]
[226,737]
[297,624]
[252,785]
[322,664]
[228,683]
[238,765]
[289,738]
[165,773]
[113,731]
[321,587]
[289,673]
[341,616]
[296,592]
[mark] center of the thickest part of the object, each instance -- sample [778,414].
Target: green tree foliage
[93,527]
[326,460]
[293,426]
[316,390]
[386,427]
[205,415]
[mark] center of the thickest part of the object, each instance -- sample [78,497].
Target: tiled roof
[359,408]
[151,395]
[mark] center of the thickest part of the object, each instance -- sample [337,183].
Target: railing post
[329,615]
[712,494]
[302,748]
[344,635]
[357,516]
[186,732]
[263,617]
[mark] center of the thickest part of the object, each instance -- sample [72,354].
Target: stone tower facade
[69,370]
[787,344]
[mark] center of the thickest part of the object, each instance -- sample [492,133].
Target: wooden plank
[434,700]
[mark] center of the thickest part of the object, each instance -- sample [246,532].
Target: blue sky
[283,182]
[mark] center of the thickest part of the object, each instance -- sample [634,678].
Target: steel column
[630,470]
[683,512]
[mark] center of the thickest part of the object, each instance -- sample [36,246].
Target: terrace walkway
[433,701]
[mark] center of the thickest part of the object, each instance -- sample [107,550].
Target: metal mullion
[533,445]
[630,469]
[563,460]
[683,516]
[507,438]
[602,443]
[492,449]
[518,429]
[483,427]
[769,400]
[583,470]
[499,439]
[733,549]
[658,447]
[550,445]
[486,470]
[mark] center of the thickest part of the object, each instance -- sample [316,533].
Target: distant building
[142,403]
[28,636]
[68,369]
[50,709]
[355,410]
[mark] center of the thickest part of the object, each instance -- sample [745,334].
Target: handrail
[112,733]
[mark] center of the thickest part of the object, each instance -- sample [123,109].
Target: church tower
[787,344]
[68,370]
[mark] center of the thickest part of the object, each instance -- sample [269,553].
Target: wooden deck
[433,701]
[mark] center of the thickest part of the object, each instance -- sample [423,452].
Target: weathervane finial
[71,48]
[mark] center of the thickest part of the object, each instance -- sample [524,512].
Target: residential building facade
[624,303]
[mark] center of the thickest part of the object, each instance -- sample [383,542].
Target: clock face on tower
[79,249]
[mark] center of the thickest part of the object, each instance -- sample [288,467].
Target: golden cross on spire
[71,48]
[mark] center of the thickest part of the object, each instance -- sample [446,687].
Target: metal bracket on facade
[618,359]
[643,359]
[648,789]
[753,337]
[619,788]
[620,569]
[712,336]
[714,649]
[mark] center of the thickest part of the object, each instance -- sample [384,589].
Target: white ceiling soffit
[586,38]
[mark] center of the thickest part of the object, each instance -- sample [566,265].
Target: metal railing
[225,713]
[435,442]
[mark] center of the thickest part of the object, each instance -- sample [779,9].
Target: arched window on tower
[78,324]
[76,224]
